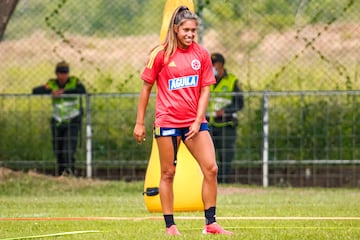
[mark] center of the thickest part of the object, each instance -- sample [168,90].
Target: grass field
[34,205]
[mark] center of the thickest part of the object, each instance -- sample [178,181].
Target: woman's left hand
[193,130]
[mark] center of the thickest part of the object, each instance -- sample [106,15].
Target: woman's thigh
[202,149]
[167,151]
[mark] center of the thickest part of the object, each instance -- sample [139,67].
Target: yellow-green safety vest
[65,108]
[218,101]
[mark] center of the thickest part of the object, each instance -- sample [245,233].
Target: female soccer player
[183,74]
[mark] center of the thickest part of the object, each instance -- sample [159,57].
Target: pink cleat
[172,231]
[214,228]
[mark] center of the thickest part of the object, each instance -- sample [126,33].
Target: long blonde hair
[180,15]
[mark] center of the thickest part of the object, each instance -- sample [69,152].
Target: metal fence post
[88,137]
[265,140]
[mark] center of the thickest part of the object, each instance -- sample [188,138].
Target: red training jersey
[178,83]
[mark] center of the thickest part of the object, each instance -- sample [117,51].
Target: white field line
[52,235]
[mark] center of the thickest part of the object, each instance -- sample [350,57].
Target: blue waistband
[169,132]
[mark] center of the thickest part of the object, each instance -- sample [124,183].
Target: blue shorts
[174,132]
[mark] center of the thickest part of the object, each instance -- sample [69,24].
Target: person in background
[183,74]
[66,117]
[226,101]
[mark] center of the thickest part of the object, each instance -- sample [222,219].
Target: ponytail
[180,15]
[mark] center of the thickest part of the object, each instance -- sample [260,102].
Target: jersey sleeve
[153,65]
[208,77]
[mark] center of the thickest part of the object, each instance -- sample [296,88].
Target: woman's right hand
[139,133]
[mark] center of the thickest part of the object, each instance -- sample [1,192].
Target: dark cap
[217,57]
[62,67]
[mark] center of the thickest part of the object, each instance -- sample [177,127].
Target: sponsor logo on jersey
[172,64]
[183,82]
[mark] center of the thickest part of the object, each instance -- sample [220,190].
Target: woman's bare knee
[168,175]
[211,171]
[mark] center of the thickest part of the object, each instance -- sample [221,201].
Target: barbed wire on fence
[302,45]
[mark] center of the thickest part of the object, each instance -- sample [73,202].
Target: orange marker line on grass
[180,218]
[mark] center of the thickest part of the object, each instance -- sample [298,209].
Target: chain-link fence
[283,138]
[268,44]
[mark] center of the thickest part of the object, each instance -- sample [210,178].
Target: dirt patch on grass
[8,174]
[114,53]
[251,54]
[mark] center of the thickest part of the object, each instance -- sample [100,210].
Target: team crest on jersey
[183,82]
[195,64]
